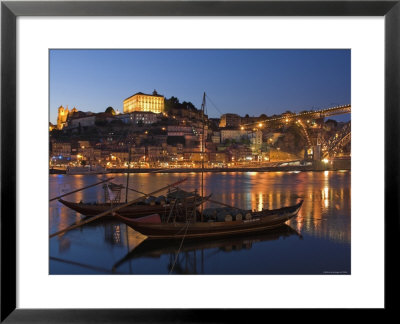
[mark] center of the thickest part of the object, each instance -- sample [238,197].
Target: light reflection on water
[324,223]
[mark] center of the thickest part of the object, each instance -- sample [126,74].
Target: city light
[235,139]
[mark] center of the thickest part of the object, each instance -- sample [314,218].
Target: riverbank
[335,165]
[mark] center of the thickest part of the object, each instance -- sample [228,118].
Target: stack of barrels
[225,214]
[161,200]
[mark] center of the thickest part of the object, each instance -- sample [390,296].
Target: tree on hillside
[110,110]
[171,103]
[245,140]
[188,105]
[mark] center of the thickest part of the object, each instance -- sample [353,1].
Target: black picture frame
[10,10]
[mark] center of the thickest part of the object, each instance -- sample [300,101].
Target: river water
[317,241]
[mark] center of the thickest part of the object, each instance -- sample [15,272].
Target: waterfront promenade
[342,164]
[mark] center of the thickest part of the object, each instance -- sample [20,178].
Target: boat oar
[87,266]
[137,191]
[114,209]
[71,192]
[140,192]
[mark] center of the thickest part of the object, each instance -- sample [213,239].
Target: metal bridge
[329,147]
[311,114]
[334,145]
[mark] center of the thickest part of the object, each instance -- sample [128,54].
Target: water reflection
[183,256]
[113,234]
[326,195]
[325,216]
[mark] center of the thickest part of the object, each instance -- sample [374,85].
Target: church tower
[62,117]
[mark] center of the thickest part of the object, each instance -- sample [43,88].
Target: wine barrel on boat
[228,218]
[224,217]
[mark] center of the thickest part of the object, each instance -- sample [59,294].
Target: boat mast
[127,176]
[202,155]
[129,161]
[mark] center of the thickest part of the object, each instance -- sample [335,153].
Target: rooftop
[155,94]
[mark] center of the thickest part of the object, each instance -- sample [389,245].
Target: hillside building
[144,102]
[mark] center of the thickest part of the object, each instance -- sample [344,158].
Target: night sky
[250,82]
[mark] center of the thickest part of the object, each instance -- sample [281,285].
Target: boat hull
[196,230]
[133,211]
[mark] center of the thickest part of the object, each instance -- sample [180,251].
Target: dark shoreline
[340,165]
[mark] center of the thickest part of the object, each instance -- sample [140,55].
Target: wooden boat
[184,201]
[260,221]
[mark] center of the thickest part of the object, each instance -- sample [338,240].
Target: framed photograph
[189,156]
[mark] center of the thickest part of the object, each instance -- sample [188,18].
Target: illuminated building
[144,102]
[86,121]
[144,117]
[256,139]
[62,117]
[235,134]
[61,149]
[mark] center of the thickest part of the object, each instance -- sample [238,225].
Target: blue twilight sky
[237,81]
